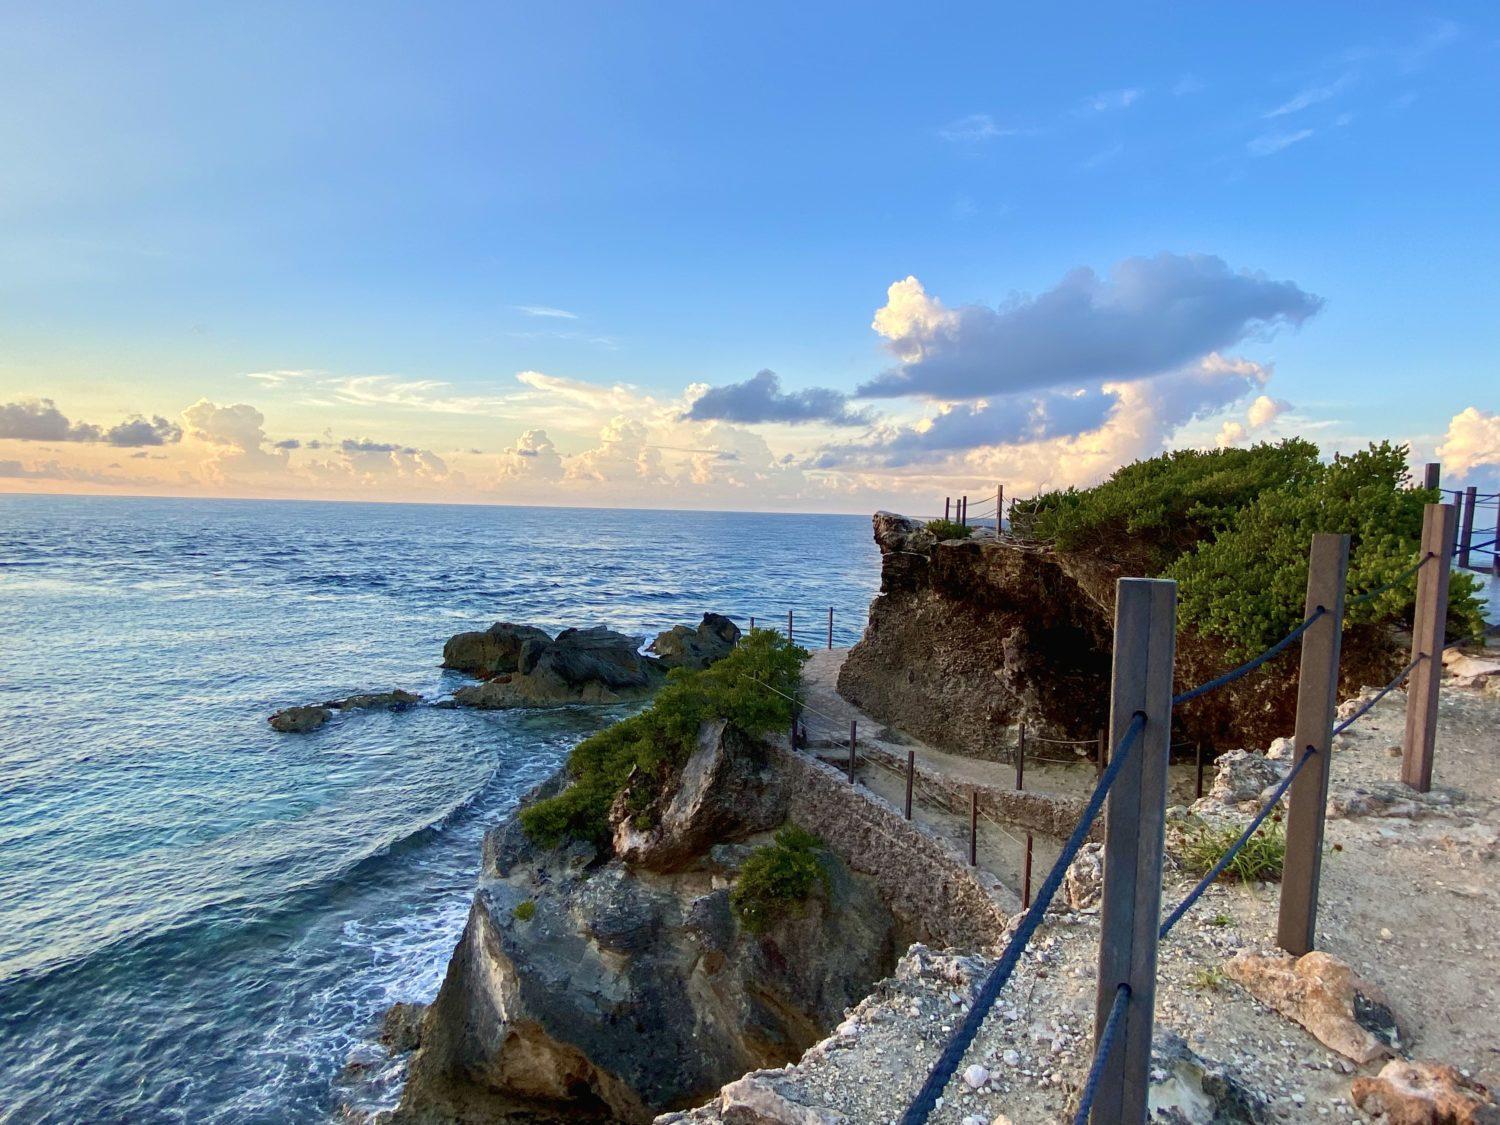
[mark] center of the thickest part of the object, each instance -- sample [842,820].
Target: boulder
[492,651]
[595,665]
[1188,1089]
[299,720]
[1085,877]
[1424,1093]
[724,791]
[767,1099]
[1240,777]
[682,647]
[1343,1011]
[397,700]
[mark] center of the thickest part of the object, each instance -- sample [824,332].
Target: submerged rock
[299,720]
[685,647]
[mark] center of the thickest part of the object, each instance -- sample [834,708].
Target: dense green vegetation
[948,529]
[751,687]
[524,911]
[1232,526]
[778,878]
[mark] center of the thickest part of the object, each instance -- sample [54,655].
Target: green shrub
[1203,845]
[778,878]
[524,911]
[749,687]
[948,529]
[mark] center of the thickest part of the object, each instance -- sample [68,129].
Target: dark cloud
[39,419]
[364,445]
[287,443]
[761,399]
[1151,315]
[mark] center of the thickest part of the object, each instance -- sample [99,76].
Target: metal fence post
[1438,522]
[1130,911]
[1495,542]
[853,734]
[963,511]
[789,627]
[1317,702]
[999,509]
[1198,774]
[911,771]
[752,624]
[1101,757]
[947,511]
[1466,532]
[1021,757]
[1026,877]
[830,626]
[974,828]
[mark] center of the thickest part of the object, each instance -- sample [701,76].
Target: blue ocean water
[200,919]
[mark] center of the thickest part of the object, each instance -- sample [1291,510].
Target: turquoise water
[200,920]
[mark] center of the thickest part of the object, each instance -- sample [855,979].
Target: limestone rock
[1344,1012]
[299,720]
[401,1027]
[1187,1089]
[724,791]
[397,700]
[594,665]
[1241,776]
[756,1100]
[1469,671]
[684,647]
[1085,877]
[493,650]
[1424,1093]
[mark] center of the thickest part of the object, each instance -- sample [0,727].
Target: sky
[772,257]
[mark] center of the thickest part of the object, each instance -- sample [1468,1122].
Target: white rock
[1012,1057]
[976,1076]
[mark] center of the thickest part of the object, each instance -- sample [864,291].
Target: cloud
[56,470]
[235,438]
[1312,95]
[39,419]
[532,457]
[1114,100]
[761,399]
[1230,433]
[545,311]
[1150,316]
[974,129]
[1268,144]
[1472,440]
[1265,410]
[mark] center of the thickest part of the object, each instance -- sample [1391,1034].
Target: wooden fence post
[963,511]
[1101,758]
[1130,910]
[789,627]
[752,624]
[947,500]
[911,772]
[974,828]
[999,509]
[1198,779]
[1438,522]
[1021,757]
[1317,702]
[1432,475]
[830,626]
[1466,532]
[1495,542]
[1026,877]
[853,734]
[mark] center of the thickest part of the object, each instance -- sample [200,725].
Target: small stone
[976,1076]
[1011,1056]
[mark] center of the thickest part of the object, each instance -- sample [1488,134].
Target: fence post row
[1438,522]
[1317,702]
[1466,532]
[1135,828]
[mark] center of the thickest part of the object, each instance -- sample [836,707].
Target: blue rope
[1381,694]
[953,1053]
[1370,595]
[1218,869]
[1249,665]
[1101,1056]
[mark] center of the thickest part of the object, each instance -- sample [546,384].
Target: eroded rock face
[299,720]
[1187,1089]
[594,665]
[696,648]
[490,651]
[1424,1093]
[1343,1011]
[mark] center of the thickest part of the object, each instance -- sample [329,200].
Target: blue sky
[391,207]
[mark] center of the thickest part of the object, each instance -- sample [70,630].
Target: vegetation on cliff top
[751,688]
[948,529]
[778,878]
[1232,526]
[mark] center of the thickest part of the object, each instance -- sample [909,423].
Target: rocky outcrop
[494,650]
[683,647]
[594,665]
[1424,1093]
[1343,1011]
[299,720]
[591,987]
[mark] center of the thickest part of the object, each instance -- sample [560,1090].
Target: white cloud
[1311,96]
[546,312]
[234,437]
[1472,441]
[1265,410]
[1114,99]
[533,457]
[1268,144]
[974,129]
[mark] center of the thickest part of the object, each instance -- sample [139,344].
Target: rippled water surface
[200,919]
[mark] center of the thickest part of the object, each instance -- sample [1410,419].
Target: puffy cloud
[56,470]
[39,419]
[235,436]
[761,399]
[1265,410]
[1230,433]
[1151,315]
[624,454]
[532,457]
[1472,440]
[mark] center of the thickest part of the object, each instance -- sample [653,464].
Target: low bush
[1203,845]
[777,879]
[524,911]
[948,529]
[750,688]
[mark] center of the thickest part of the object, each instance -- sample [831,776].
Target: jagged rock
[685,647]
[1242,776]
[594,665]
[724,791]
[1386,801]
[1469,671]
[1343,1011]
[1424,1093]
[299,720]
[397,700]
[1085,877]
[1187,1089]
[757,1099]
[401,1027]
[490,651]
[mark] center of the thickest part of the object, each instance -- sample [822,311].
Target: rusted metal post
[1130,910]
[752,624]
[947,501]
[974,828]
[1026,877]
[794,729]
[999,509]
[1466,532]
[1198,781]
[1432,475]
[853,735]
[789,627]
[830,626]
[1021,757]
[1438,522]
[1317,700]
[1101,759]
[963,511]
[911,773]
[1495,542]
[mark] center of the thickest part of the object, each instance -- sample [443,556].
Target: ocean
[202,920]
